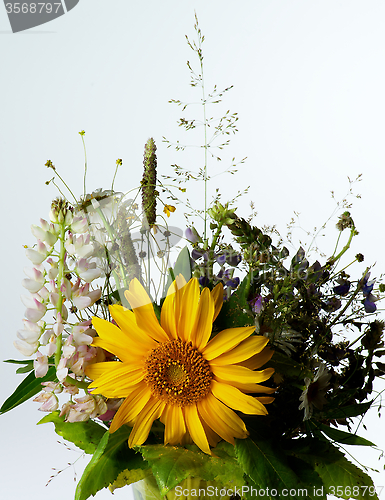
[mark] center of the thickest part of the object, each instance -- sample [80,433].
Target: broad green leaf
[334,469]
[182,266]
[85,435]
[268,468]
[234,311]
[344,437]
[111,457]
[27,389]
[172,464]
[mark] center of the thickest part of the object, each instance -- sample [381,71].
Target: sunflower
[172,370]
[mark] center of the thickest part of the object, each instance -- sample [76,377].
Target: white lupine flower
[53,271]
[45,338]
[29,336]
[39,255]
[58,327]
[35,280]
[62,370]
[49,400]
[36,312]
[25,348]
[38,232]
[51,346]
[66,288]
[53,387]
[79,245]
[43,293]
[79,224]
[82,297]
[87,270]
[40,365]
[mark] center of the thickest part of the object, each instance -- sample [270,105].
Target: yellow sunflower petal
[226,340]
[217,295]
[259,359]
[204,320]
[122,352]
[195,428]
[152,410]
[212,437]
[131,406]
[98,369]
[175,426]
[244,350]
[188,307]
[117,384]
[247,388]
[179,285]
[144,311]
[265,400]
[167,315]
[235,399]
[127,323]
[219,417]
[241,374]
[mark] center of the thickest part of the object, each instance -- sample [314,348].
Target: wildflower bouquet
[219,366]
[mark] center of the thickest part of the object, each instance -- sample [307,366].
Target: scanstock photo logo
[28,14]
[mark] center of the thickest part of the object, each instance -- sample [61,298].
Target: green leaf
[172,464]
[344,437]
[286,366]
[111,458]
[24,369]
[267,466]
[182,266]
[233,310]
[27,389]
[85,435]
[347,411]
[334,469]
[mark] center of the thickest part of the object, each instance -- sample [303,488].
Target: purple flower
[370,299]
[192,235]
[256,304]
[343,287]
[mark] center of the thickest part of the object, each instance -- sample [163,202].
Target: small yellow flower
[173,371]
[168,208]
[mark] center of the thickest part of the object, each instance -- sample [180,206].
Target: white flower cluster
[60,283]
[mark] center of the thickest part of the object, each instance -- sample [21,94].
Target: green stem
[353,232]
[85,166]
[59,283]
[357,290]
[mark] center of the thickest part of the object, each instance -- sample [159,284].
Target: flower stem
[59,282]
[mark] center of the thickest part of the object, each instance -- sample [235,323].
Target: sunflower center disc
[177,373]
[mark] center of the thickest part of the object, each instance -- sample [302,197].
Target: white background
[309,84]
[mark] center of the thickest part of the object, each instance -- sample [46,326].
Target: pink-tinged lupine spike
[25,348]
[40,365]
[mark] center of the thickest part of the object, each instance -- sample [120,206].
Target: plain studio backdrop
[309,84]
